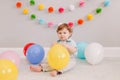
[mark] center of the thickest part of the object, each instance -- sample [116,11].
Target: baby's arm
[53,44]
[71,49]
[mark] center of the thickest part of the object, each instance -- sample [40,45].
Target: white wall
[16,29]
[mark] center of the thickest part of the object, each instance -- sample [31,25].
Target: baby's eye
[64,32]
[59,33]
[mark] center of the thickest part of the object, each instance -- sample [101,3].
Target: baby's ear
[70,34]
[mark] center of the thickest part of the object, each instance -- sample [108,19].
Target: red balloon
[26,47]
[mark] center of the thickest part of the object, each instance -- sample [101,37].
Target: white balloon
[94,53]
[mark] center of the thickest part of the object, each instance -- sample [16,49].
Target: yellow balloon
[89,16]
[58,57]
[25,11]
[41,6]
[8,70]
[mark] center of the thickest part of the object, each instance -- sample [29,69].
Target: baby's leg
[70,65]
[36,68]
[41,67]
[54,73]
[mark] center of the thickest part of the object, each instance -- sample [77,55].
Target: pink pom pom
[70,24]
[82,3]
[50,24]
[61,10]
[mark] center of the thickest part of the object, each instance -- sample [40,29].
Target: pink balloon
[11,55]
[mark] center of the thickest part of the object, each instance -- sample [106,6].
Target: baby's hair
[64,25]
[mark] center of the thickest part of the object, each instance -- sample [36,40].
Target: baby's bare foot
[35,68]
[53,73]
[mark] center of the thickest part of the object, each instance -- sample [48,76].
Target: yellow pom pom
[25,11]
[90,17]
[41,6]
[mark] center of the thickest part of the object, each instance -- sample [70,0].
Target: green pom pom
[33,16]
[98,10]
[32,2]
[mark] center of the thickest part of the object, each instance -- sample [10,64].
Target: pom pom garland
[50,9]
[71,7]
[61,10]
[80,21]
[50,24]
[59,24]
[18,4]
[89,16]
[70,24]
[33,16]
[106,3]
[40,6]
[41,21]
[98,10]
[82,3]
[25,11]
[32,2]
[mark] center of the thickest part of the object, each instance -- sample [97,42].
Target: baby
[64,32]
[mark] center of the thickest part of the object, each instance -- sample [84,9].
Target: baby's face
[63,34]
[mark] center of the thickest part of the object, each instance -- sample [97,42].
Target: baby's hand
[65,45]
[54,43]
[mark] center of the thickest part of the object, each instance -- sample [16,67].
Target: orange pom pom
[80,21]
[50,9]
[18,4]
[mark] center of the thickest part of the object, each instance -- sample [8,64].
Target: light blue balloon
[35,54]
[81,49]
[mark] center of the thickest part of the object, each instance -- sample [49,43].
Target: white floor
[108,69]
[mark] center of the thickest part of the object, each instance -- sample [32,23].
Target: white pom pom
[60,24]
[71,7]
